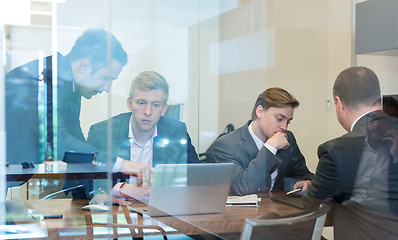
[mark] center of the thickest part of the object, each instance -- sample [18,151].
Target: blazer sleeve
[70,135]
[325,182]
[69,142]
[250,175]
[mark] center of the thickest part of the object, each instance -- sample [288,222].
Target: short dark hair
[149,80]
[357,86]
[93,45]
[274,97]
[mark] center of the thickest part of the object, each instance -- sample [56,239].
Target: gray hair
[357,87]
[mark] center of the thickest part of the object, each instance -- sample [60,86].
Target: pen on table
[294,191]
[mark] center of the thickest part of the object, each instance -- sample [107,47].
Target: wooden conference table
[226,225]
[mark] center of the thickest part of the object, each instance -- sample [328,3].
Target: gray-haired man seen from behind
[360,169]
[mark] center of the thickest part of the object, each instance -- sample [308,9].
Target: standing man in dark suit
[143,134]
[85,71]
[360,169]
[263,150]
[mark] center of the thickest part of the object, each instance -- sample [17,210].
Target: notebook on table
[185,189]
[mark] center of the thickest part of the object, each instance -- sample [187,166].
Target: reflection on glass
[390,105]
[214,54]
[184,189]
[32,90]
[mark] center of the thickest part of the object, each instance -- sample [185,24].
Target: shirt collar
[131,135]
[257,141]
[356,120]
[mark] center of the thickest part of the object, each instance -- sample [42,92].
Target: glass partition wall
[216,56]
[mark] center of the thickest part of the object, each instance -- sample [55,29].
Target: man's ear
[85,66]
[343,114]
[129,104]
[164,109]
[339,104]
[259,111]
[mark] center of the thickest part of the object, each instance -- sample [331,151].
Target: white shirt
[138,153]
[259,145]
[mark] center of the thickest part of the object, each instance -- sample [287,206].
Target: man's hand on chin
[279,141]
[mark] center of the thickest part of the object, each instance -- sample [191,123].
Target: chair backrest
[304,225]
[175,111]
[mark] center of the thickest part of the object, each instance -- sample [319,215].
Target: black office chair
[305,225]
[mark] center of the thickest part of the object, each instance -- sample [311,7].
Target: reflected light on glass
[183,141]
[15,12]
[164,142]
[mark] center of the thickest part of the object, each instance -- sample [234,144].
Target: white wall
[386,69]
[304,45]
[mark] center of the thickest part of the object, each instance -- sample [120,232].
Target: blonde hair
[149,80]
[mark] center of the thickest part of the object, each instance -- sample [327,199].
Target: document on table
[247,200]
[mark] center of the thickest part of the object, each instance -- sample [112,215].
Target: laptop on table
[186,189]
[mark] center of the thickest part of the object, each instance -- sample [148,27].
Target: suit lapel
[248,141]
[121,136]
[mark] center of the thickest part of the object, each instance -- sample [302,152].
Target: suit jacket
[22,111]
[176,151]
[25,104]
[373,136]
[253,168]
